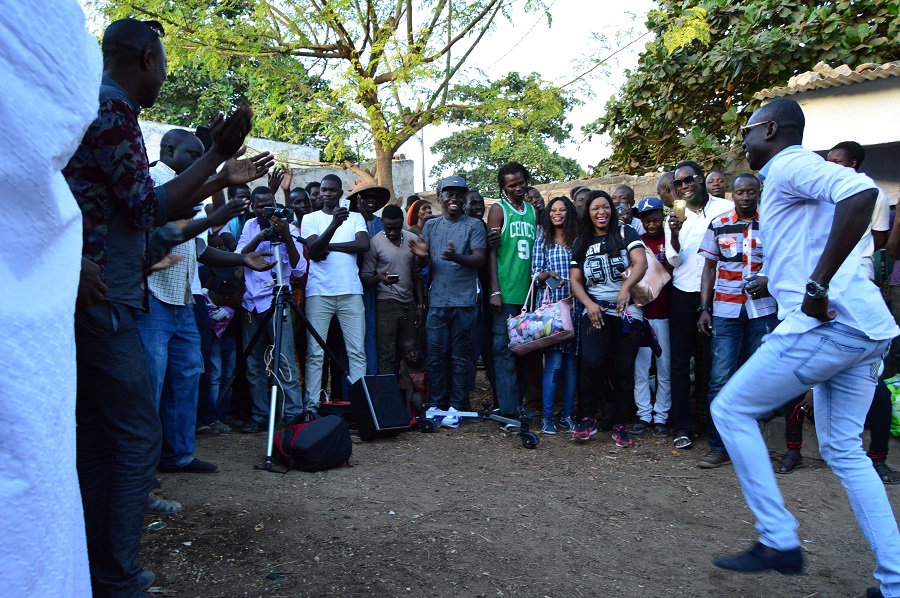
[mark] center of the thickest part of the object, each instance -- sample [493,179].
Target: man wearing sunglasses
[118,435]
[683,239]
[835,328]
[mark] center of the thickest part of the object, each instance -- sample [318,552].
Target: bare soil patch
[470,512]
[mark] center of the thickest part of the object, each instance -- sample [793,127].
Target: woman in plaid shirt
[550,259]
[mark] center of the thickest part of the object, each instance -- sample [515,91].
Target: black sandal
[789,462]
[887,475]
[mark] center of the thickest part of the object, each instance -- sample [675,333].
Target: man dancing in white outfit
[834,332]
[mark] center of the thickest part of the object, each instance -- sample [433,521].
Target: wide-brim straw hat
[384,196]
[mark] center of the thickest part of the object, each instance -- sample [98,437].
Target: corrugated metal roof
[823,76]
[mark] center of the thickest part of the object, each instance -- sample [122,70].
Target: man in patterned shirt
[118,437]
[736,308]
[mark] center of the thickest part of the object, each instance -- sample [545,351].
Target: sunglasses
[677,183]
[157,32]
[746,130]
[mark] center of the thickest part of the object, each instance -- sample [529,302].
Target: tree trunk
[384,169]
[359,171]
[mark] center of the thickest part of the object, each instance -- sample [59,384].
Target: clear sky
[559,53]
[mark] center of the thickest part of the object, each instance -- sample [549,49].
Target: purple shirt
[258,295]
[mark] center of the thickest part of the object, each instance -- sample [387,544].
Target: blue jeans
[733,340]
[222,357]
[509,386]
[290,393]
[556,364]
[174,364]
[449,328]
[118,441]
[842,365]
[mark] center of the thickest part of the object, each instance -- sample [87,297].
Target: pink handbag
[541,327]
[648,288]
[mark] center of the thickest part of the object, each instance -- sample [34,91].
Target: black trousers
[685,341]
[118,442]
[621,349]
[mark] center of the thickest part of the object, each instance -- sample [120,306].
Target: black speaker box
[378,407]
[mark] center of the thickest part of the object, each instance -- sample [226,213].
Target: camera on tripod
[286,214]
[282,213]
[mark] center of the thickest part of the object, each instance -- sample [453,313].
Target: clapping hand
[419,247]
[228,134]
[276,176]
[239,172]
[449,253]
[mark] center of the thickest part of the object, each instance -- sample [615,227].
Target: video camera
[282,213]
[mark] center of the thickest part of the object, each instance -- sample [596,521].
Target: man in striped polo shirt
[736,308]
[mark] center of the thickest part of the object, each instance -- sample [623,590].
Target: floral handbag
[541,327]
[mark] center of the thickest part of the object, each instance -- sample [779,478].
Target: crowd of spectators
[176,294]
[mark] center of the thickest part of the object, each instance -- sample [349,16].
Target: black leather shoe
[874,593]
[195,466]
[763,558]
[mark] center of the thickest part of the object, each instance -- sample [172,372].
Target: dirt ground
[470,512]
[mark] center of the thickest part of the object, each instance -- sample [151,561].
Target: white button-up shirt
[796,212]
[687,263]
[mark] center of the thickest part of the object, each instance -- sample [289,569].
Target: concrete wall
[402,169]
[153,134]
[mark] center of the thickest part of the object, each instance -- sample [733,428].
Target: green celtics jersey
[514,252]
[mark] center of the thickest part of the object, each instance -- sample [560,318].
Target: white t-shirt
[338,274]
[798,202]
[881,221]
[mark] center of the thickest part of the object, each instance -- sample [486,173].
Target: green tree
[513,119]
[389,63]
[689,98]
[193,97]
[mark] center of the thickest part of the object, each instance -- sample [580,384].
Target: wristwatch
[816,290]
[704,308]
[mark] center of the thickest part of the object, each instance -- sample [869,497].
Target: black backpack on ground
[315,445]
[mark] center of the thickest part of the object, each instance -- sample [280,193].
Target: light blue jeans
[842,364]
[352,318]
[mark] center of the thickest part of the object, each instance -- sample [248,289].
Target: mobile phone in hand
[344,203]
[393,277]
[553,283]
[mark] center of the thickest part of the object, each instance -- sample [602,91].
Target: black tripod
[282,301]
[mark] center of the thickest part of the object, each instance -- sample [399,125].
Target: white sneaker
[451,421]
[431,414]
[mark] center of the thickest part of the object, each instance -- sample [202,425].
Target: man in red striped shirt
[736,308]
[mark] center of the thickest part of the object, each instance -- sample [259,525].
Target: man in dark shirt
[118,437]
